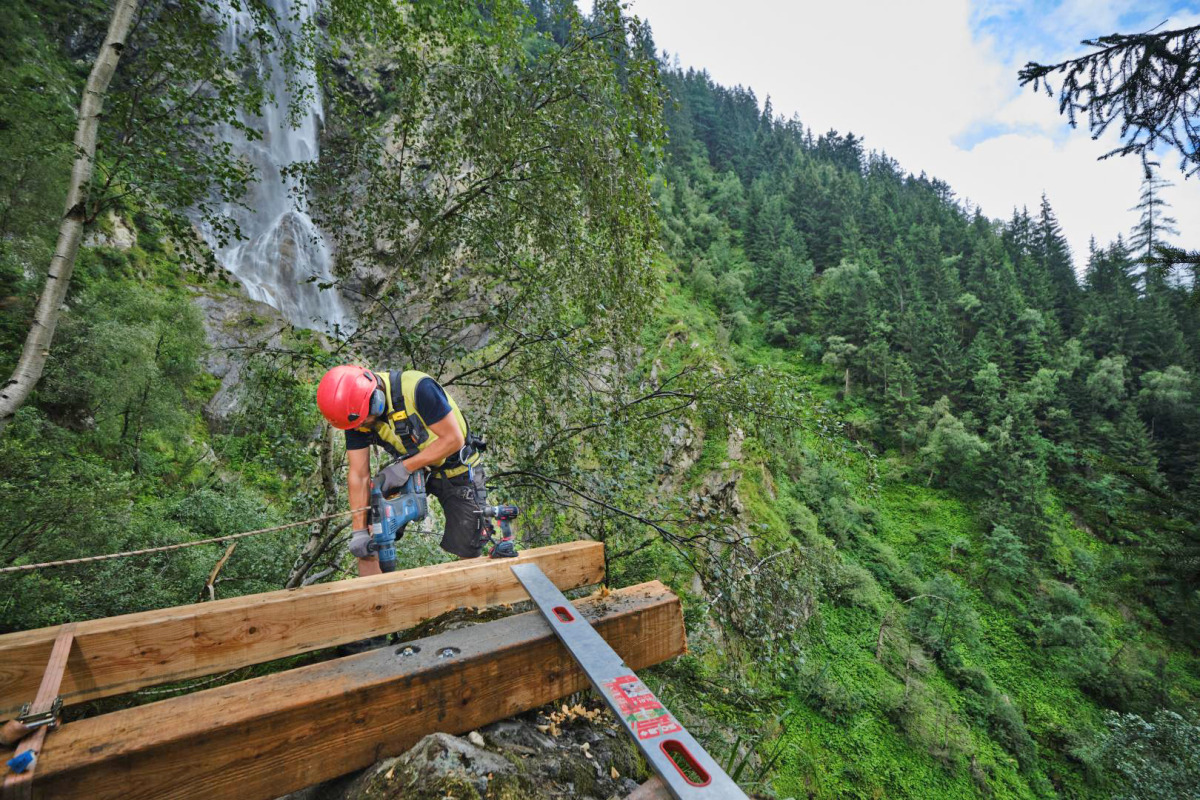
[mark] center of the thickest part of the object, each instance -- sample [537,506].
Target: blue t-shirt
[432,407]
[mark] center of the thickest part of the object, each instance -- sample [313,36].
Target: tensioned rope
[179,546]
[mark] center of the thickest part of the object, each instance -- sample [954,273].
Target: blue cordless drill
[388,516]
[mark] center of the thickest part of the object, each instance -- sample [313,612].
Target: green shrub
[826,693]
[800,519]
[885,565]
[943,618]
[854,585]
[1155,759]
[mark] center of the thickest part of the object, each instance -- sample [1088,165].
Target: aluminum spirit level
[689,772]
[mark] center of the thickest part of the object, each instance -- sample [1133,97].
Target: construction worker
[411,417]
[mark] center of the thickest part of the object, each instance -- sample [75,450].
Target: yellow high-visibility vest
[421,434]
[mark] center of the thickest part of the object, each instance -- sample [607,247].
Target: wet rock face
[557,753]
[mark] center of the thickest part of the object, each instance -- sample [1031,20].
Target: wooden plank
[115,655]
[265,737]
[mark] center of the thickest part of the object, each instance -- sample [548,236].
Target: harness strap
[19,785]
[385,428]
[454,472]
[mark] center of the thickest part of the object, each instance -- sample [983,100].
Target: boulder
[438,760]
[577,752]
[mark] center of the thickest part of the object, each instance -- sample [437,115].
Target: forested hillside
[1028,523]
[927,481]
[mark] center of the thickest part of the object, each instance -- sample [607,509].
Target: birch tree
[148,138]
[70,230]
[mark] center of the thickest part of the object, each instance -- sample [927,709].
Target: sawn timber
[116,655]
[262,738]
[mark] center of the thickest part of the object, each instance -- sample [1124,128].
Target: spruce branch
[1148,82]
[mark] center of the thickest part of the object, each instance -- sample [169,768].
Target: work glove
[360,544]
[391,479]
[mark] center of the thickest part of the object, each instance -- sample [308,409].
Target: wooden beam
[120,654]
[265,737]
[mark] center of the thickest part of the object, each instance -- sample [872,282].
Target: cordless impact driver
[507,546]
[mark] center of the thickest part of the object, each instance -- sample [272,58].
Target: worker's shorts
[461,497]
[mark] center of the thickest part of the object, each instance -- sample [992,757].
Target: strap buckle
[48,718]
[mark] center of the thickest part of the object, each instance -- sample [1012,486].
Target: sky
[933,83]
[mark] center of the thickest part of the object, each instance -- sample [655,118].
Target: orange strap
[19,785]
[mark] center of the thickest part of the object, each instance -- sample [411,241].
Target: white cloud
[918,83]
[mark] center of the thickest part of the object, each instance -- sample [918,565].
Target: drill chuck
[499,512]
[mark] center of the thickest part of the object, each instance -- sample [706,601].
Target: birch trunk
[37,343]
[323,532]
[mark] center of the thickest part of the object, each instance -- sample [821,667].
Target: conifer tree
[1160,340]
[1019,239]
[769,229]
[1154,226]
[1005,560]
[1169,403]
[1146,81]
[554,17]
[1110,324]
[1051,250]
[940,357]
[845,151]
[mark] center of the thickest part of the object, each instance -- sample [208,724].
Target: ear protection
[378,401]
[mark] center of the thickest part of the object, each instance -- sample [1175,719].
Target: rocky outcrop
[576,751]
[233,324]
[683,444]
[717,495]
[111,232]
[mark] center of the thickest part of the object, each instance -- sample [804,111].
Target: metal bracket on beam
[48,718]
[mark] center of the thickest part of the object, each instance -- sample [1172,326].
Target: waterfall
[282,249]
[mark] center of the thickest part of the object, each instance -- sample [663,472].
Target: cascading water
[282,250]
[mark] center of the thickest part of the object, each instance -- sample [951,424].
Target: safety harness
[403,430]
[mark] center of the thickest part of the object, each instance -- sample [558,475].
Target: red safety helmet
[345,394]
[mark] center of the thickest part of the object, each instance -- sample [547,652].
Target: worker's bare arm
[359,483]
[449,441]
